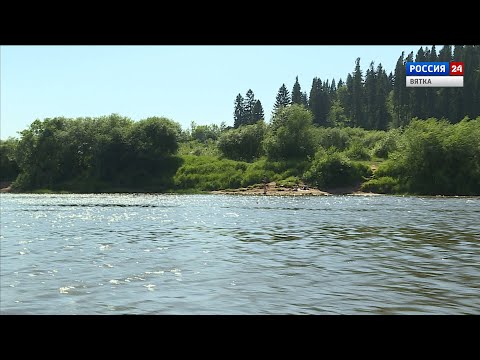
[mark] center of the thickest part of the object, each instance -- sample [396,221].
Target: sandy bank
[275,190]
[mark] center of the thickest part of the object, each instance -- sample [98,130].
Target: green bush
[357,151]
[372,138]
[388,144]
[9,169]
[291,134]
[289,182]
[337,138]
[383,185]
[244,143]
[207,173]
[335,170]
[197,148]
[434,157]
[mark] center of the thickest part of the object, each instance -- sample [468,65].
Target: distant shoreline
[274,190]
[255,190]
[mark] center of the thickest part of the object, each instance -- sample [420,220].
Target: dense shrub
[383,185]
[290,135]
[244,143]
[335,169]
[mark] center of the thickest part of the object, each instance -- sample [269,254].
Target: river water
[221,254]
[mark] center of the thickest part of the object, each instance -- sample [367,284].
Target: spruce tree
[238,114]
[419,106]
[314,101]
[382,116]
[358,96]
[399,93]
[370,97]
[305,99]
[296,93]
[248,105]
[257,113]
[283,98]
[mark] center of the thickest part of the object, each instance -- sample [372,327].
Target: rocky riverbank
[277,190]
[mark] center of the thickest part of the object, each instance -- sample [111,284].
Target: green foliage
[282,99]
[204,133]
[287,168]
[197,148]
[357,151]
[247,110]
[91,154]
[290,181]
[320,102]
[297,93]
[256,171]
[290,134]
[244,143]
[436,158]
[388,144]
[206,173]
[257,112]
[382,185]
[209,173]
[8,165]
[333,169]
[155,137]
[332,138]
[358,141]
[372,138]
[239,111]
[336,115]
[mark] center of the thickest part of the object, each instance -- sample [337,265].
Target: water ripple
[208,254]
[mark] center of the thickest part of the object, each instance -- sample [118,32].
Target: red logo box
[456,68]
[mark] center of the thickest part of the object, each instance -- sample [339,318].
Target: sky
[182,83]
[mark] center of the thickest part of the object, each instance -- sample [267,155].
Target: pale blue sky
[183,83]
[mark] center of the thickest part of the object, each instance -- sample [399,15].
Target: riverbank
[302,190]
[273,189]
[5,186]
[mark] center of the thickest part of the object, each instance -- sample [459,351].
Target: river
[225,254]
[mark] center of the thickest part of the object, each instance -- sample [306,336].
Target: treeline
[94,154]
[375,100]
[431,158]
[115,154]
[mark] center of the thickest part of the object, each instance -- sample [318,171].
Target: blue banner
[428,68]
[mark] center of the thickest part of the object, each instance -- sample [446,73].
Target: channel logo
[434,74]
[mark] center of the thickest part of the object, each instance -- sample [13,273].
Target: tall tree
[409,91]
[333,90]
[239,113]
[297,93]
[445,106]
[345,97]
[290,134]
[383,88]
[305,99]
[257,113]
[370,97]
[319,103]
[457,93]
[419,106]
[314,102]
[248,105]
[357,96]
[471,85]
[283,98]
[399,93]
[433,54]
